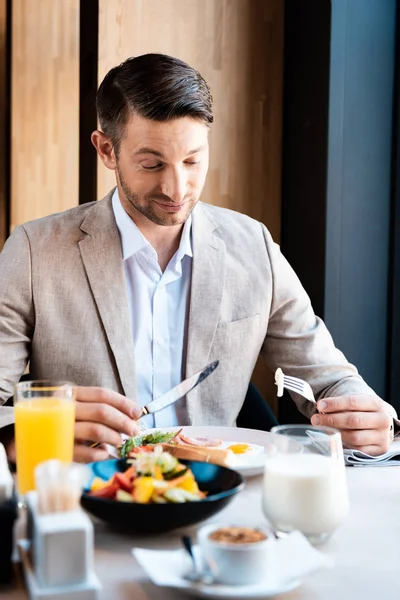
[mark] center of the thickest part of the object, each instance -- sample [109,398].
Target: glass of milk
[307,491]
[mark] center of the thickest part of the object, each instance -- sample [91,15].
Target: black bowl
[220,483]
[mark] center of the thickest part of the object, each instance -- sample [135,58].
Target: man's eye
[191,162]
[152,167]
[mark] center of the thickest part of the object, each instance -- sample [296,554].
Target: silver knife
[175,393]
[179,390]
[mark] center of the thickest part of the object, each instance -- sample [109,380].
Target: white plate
[255,464]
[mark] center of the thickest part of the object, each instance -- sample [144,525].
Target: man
[127,295]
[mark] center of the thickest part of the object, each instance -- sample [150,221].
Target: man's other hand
[363,421]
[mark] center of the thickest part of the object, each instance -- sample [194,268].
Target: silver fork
[294,384]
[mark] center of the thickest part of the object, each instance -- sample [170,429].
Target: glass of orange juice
[44,426]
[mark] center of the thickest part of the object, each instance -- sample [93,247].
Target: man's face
[161,168]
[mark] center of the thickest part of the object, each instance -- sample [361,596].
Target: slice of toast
[217,456]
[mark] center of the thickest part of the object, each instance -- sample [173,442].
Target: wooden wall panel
[45,108]
[238,47]
[3,123]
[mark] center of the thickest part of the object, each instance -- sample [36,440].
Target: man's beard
[148,209]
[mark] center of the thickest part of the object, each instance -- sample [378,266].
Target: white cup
[237,563]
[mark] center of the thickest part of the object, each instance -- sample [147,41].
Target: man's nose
[174,185]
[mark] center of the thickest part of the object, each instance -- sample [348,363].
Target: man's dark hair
[154,86]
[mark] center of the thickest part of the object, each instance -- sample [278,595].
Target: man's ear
[105,149]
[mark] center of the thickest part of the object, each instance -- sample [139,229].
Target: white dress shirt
[158,305]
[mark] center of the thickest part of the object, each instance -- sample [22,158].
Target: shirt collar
[132,239]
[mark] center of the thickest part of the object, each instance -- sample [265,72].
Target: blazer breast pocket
[239,336]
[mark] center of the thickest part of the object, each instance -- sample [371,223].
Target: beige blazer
[64,308]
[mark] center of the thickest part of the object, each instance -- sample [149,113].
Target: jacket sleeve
[299,342]
[17,317]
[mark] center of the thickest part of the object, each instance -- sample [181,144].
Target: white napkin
[391,458]
[294,559]
[356,458]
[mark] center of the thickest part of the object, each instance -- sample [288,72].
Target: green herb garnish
[148,439]
[127,447]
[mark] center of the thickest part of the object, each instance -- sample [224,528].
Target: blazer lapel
[208,275]
[102,258]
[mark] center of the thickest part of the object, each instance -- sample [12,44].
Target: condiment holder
[58,556]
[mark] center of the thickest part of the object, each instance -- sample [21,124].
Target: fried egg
[243,454]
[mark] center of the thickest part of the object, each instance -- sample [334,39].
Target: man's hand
[363,421]
[101,416]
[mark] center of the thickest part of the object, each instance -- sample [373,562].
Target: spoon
[204,575]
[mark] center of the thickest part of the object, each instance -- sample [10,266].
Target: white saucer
[200,590]
[167,569]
